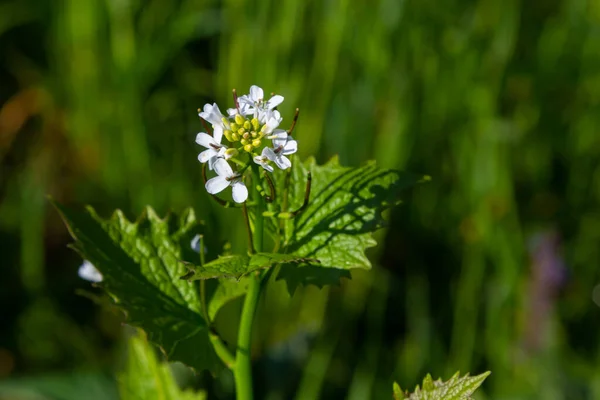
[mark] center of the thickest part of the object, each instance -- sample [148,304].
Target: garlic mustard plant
[306,224]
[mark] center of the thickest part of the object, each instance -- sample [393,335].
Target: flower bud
[239,119]
[234,127]
[244,141]
[246,135]
[248,148]
[231,153]
[256,142]
[255,123]
[228,135]
[247,125]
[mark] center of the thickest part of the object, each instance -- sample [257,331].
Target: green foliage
[226,291]
[236,266]
[345,208]
[68,386]
[144,378]
[141,264]
[456,388]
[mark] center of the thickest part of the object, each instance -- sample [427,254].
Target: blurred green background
[492,265]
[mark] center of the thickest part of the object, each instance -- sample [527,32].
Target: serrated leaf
[144,378]
[236,266]
[226,291]
[306,274]
[140,262]
[345,208]
[397,391]
[456,388]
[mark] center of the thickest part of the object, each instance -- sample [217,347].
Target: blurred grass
[497,101]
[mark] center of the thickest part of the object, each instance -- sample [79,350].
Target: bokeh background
[494,264]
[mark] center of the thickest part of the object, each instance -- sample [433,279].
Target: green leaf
[295,275]
[141,264]
[456,388]
[345,208]
[397,391]
[144,378]
[236,266]
[226,291]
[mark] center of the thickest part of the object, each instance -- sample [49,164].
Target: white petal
[195,244]
[206,155]
[283,162]
[216,184]
[272,123]
[239,192]
[213,160]
[274,101]
[217,133]
[222,168]
[231,111]
[212,114]
[268,167]
[280,141]
[269,153]
[88,272]
[290,147]
[279,134]
[260,160]
[204,139]
[256,93]
[277,115]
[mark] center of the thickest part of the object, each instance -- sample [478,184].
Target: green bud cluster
[249,132]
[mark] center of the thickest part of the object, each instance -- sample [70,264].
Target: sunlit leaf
[456,388]
[236,266]
[141,264]
[345,208]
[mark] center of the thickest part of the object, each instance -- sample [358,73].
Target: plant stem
[243,365]
[222,350]
[203,283]
[243,360]
[219,346]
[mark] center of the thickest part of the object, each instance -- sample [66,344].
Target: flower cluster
[250,128]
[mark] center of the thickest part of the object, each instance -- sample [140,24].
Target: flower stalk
[243,367]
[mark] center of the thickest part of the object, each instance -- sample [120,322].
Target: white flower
[283,146]
[254,103]
[264,158]
[212,114]
[88,272]
[226,177]
[271,120]
[213,144]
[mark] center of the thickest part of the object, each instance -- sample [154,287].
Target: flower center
[249,132]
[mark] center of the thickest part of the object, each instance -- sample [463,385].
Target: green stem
[243,366]
[222,350]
